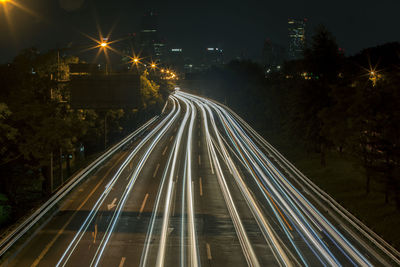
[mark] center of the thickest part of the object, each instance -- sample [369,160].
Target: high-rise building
[151,45]
[297,39]
[128,47]
[213,56]
[273,56]
[176,59]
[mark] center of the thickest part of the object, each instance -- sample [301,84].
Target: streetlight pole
[105,130]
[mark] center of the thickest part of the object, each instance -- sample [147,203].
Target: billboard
[112,91]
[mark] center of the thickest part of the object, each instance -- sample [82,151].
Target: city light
[374,76]
[135,61]
[153,65]
[103,44]
[7,5]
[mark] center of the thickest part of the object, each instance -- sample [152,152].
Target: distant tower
[150,41]
[297,40]
[273,55]
[176,59]
[213,56]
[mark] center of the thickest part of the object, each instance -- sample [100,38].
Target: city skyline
[241,31]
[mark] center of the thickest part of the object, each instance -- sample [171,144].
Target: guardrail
[13,236]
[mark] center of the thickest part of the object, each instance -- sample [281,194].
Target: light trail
[307,207]
[16,234]
[194,259]
[89,219]
[248,170]
[241,232]
[170,188]
[128,189]
[269,235]
[286,202]
[348,217]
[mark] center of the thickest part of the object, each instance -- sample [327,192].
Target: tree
[8,135]
[45,124]
[322,63]
[151,98]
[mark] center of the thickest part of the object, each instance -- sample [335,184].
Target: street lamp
[104,42]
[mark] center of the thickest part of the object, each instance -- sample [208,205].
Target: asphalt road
[199,188]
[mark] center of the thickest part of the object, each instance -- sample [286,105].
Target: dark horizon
[239,29]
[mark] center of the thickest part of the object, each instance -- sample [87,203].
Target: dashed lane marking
[165,150]
[156,170]
[121,264]
[209,257]
[144,203]
[201,187]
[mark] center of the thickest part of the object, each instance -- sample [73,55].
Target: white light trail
[85,225]
[277,190]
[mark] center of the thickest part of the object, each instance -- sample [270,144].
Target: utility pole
[61,167]
[105,130]
[51,173]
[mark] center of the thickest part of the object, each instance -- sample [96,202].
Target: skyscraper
[296,30]
[176,59]
[273,55]
[128,47]
[213,56]
[151,44]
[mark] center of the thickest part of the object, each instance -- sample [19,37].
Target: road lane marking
[171,138]
[51,243]
[199,160]
[112,204]
[165,150]
[201,187]
[156,170]
[144,203]
[198,143]
[209,257]
[94,234]
[121,264]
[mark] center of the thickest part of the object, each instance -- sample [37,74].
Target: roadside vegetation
[40,133]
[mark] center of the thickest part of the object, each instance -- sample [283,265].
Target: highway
[197,186]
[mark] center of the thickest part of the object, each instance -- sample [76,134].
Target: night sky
[239,27]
